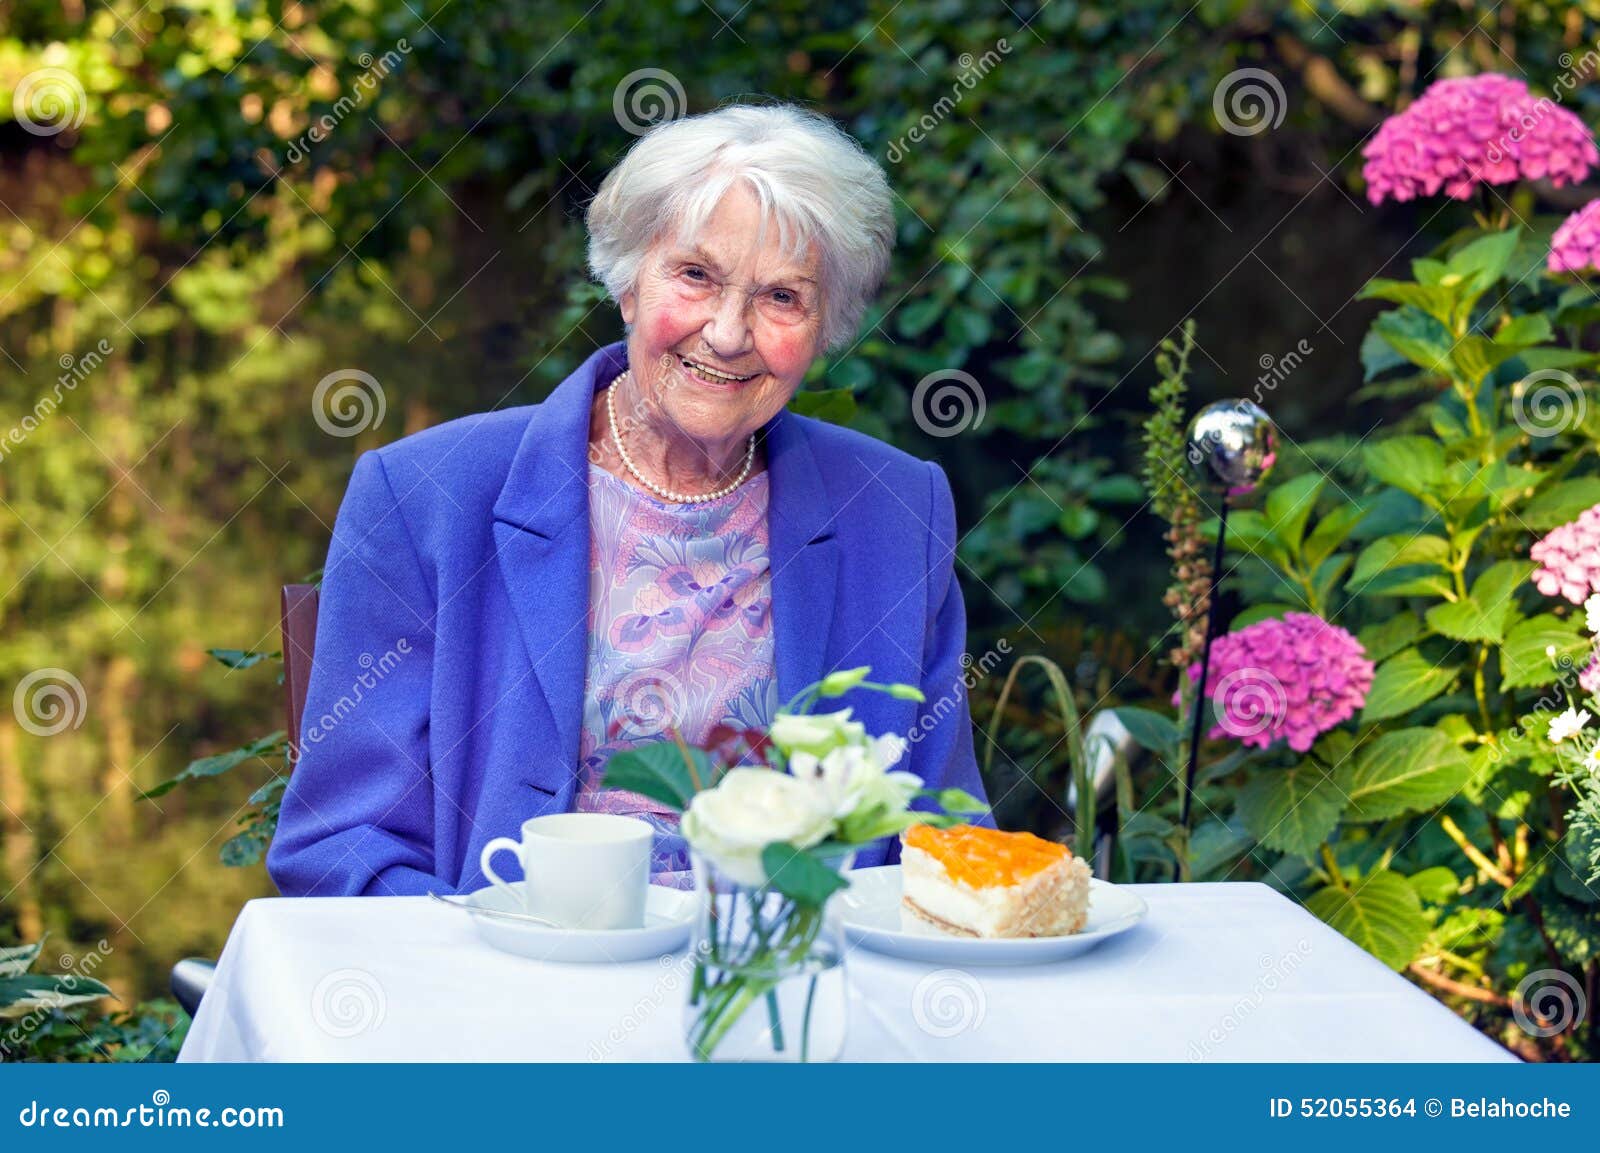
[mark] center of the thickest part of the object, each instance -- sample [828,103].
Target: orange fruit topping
[985,858]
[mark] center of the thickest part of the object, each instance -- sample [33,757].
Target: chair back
[299,641]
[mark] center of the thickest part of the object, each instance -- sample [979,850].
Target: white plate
[668,917]
[871,914]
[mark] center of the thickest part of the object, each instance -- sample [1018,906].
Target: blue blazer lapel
[804,555]
[541,537]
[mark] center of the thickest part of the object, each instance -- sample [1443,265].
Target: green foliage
[1448,763]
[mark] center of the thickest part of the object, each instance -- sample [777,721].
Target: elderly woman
[512,597]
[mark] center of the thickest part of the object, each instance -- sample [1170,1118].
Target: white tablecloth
[1226,972]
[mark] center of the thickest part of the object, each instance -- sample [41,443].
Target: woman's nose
[727,332]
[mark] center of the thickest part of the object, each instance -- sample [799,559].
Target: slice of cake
[977,882]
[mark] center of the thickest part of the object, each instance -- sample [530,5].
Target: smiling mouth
[711,375]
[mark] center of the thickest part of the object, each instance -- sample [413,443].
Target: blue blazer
[446,692]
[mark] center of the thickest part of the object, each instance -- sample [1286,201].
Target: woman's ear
[630,307]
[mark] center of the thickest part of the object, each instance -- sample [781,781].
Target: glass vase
[768,981]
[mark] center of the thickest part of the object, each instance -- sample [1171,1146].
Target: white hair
[816,182]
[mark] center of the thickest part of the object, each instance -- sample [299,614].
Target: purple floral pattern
[680,635]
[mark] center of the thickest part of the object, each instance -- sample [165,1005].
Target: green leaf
[1413,464]
[834,405]
[1403,771]
[1404,564]
[1378,356]
[799,875]
[1403,682]
[1418,338]
[1331,532]
[241,659]
[1529,328]
[659,771]
[1292,810]
[1152,730]
[919,315]
[1484,260]
[1560,503]
[16,960]
[22,994]
[1489,610]
[1436,885]
[1389,637]
[1435,300]
[219,763]
[1381,913]
[1478,356]
[1269,610]
[1524,660]
[1289,507]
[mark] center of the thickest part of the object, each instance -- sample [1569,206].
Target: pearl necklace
[667,493]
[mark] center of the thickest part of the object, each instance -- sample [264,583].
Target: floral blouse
[680,634]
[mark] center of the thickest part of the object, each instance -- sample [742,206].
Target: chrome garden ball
[1232,446]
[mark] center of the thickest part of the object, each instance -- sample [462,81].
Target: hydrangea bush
[1399,773]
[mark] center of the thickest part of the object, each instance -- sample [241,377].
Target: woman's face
[723,329]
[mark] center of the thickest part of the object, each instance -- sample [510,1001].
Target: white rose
[816,733]
[858,776]
[750,809]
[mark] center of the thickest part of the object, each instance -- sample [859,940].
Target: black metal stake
[1190,769]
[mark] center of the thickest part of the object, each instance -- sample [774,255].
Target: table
[1216,972]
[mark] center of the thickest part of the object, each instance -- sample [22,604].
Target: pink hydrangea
[1569,558]
[1589,675]
[1295,678]
[1576,244]
[1486,129]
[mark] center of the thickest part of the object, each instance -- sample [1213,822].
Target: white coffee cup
[580,870]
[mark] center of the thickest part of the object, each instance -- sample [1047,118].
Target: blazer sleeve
[942,750]
[357,815]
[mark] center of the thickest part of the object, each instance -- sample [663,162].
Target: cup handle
[489,850]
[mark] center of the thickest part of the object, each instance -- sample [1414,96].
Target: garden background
[212,210]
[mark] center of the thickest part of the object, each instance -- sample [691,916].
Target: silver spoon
[480,911]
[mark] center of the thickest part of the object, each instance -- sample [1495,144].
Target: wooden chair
[191,977]
[299,641]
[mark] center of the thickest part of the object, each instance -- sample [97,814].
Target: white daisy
[1568,724]
[1591,610]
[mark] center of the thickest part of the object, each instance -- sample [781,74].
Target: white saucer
[668,917]
[871,915]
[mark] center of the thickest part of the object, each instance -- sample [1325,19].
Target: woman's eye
[784,298]
[698,275]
